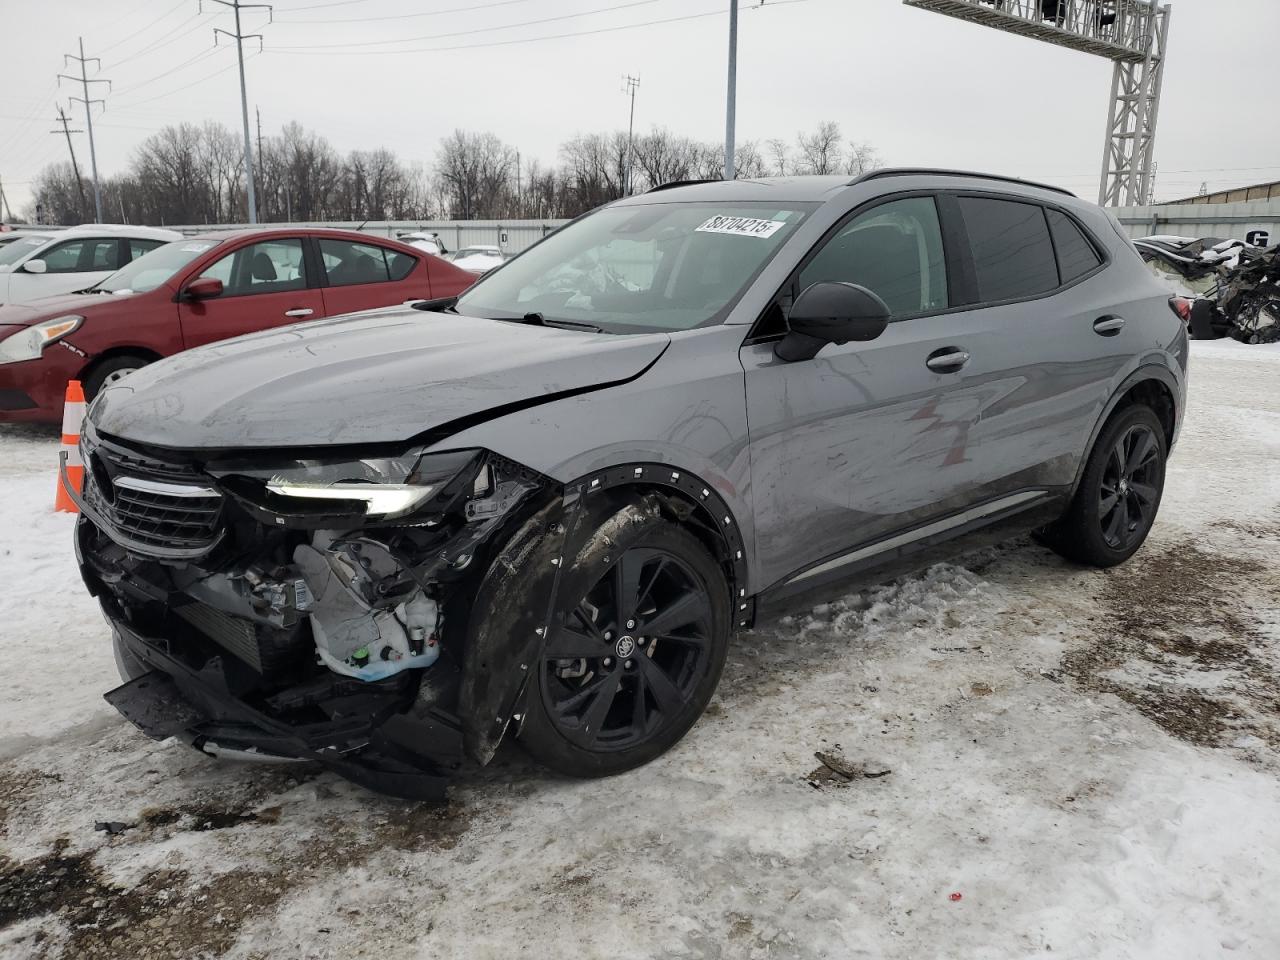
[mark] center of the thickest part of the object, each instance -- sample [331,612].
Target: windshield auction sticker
[742,226]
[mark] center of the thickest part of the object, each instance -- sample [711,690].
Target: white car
[478,259]
[427,240]
[44,263]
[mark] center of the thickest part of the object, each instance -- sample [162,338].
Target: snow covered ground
[1081,765]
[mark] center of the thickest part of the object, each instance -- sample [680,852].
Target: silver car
[382,542]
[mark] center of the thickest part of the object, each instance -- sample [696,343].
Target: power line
[148,5]
[410,16]
[465,33]
[88,116]
[188,86]
[505,43]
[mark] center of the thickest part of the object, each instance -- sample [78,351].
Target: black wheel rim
[628,658]
[1129,492]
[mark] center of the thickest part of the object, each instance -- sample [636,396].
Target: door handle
[947,360]
[1108,326]
[299,312]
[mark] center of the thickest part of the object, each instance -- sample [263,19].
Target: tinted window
[138,247]
[1076,255]
[895,250]
[1012,253]
[273,266]
[348,263]
[76,256]
[399,264]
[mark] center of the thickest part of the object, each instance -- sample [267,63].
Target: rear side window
[347,263]
[138,248]
[1076,255]
[1012,253]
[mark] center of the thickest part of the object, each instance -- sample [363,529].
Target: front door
[264,284]
[867,441]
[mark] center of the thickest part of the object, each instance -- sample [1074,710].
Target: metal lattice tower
[1133,34]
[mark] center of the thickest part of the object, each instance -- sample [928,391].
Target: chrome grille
[151,506]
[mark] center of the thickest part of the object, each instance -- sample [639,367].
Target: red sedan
[195,291]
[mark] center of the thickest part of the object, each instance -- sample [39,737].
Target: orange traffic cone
[72,417]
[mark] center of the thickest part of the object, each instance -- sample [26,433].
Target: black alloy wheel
[1119,492]
[631,665]
[630,656]
[1128,493]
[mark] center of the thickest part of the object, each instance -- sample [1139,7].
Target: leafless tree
[821,151]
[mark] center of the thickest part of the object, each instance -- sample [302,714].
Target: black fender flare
[1148,371]
[517,599]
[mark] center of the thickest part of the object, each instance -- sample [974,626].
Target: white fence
[510,235]
[1227,220]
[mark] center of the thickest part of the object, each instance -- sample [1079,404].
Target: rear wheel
[110,371]
[1119,494]
[637,657]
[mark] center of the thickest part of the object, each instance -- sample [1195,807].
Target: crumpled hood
[374,377]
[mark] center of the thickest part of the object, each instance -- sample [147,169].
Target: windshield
[154,268]
[661,266]
[11,253]
[476,252]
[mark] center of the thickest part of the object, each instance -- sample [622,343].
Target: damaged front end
[319,607]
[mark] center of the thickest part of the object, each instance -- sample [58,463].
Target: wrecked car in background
[383,541]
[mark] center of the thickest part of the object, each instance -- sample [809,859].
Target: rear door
[361,275]
[265,283]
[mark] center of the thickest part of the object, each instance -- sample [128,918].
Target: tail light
[1182,307]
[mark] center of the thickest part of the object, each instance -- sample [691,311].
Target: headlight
[379,488]
[27,344]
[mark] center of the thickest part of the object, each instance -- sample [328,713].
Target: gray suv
[381,542]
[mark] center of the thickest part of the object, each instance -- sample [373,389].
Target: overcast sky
[922,88]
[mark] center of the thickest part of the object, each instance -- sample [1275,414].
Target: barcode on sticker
[742,226]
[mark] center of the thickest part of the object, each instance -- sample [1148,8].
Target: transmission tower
[1133,34]
[88,115]
[240,37]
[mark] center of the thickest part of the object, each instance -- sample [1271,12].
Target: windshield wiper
[539,320]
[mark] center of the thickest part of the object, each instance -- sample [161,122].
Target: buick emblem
[625,647]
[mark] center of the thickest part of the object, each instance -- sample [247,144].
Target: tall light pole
[88,117]
[629,87]
[239,38]
[732,98]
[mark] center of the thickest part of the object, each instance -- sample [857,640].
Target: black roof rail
[672,184]
[939,172]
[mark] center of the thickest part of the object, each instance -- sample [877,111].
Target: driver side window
[273,266]
[894,250]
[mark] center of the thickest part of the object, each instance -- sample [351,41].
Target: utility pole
[75,168]
[239,38]
[4,203]
[257,111]
[629,84]
[519,211]
[88,116]
[731,106]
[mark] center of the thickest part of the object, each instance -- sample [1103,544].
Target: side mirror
[831,312]
[35,266]
[205,288]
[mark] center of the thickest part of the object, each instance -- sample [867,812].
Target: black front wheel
[634,657]
[1119,493]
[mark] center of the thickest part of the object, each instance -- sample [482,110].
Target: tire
[110,370]
[1119,494]
[569,724]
